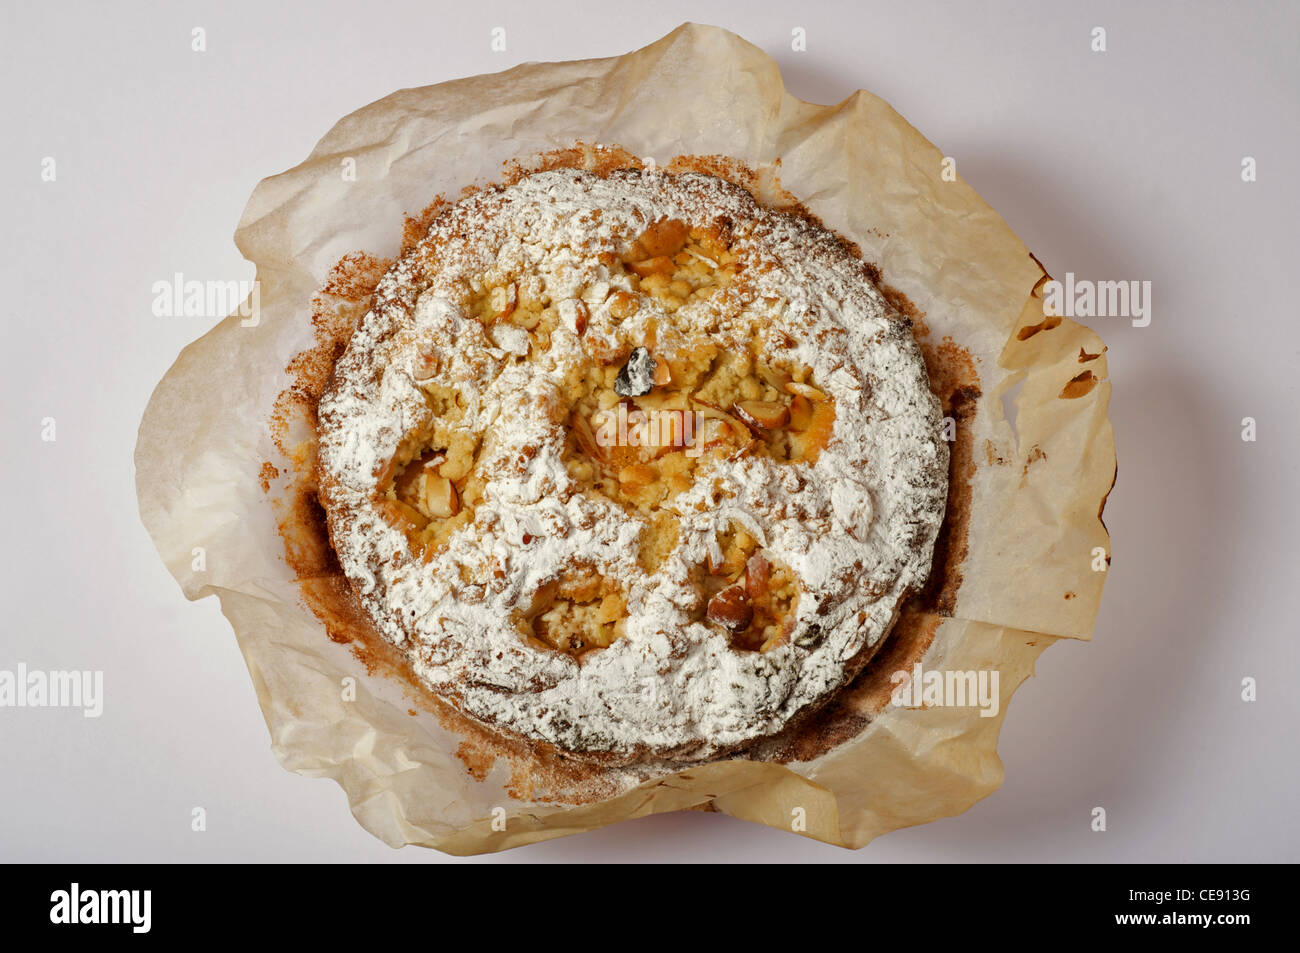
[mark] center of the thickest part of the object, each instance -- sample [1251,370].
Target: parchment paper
[1037,489]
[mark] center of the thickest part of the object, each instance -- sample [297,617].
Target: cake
[630,466]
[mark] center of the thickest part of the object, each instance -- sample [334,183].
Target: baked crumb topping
[630,464]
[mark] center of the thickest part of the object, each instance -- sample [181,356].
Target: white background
[1122,165]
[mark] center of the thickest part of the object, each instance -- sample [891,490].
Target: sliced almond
[406,486]
[773,377]
[659,265]
[804,390]
[580,316]
[714,412]
[701,257]
[663,374]
[731,609]
[808,444]
[762,414]
[406,518]
[758,573]
[586,438]
[440,497]
[801,412]
[747,449]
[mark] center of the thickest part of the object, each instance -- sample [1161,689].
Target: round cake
[630,464]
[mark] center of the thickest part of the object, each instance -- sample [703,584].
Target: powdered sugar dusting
[857,527]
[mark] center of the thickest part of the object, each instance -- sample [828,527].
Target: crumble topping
[512,510]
